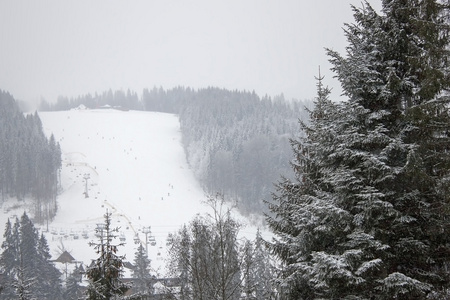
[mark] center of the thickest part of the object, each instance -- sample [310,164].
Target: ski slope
[131,164]
[135,168]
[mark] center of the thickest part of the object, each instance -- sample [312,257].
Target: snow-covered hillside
[136,169]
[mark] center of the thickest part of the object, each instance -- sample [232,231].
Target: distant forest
[236,142]
[29,162]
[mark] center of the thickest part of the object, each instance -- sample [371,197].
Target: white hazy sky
[53,47]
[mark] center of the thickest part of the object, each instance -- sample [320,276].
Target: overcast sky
[53,47]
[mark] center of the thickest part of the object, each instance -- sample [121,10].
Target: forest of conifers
[29,161]
[236,142]
[364,213]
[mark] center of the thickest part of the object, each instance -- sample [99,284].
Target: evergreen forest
[29,161]
[236,142]
[360,204]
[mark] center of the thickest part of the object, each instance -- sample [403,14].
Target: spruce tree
[366,216]
[25,262]
[28,249]
[306,217]
[29,162]
[257,270]
[23,284]
[73,289]
[263,269]
[106,272]
[141,272]
[9,260]
[248,272]
[49,284]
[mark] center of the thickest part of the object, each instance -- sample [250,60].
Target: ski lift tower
[86,177]
[146,230]
[99,231]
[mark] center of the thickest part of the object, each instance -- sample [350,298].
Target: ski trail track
[137,171]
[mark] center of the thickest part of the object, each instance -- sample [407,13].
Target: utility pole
[86,177]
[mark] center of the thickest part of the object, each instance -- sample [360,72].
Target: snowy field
[136,169]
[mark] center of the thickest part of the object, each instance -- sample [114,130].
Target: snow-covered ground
[136,169]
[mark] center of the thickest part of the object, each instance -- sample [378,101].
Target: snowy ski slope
[135,168]
[137,171]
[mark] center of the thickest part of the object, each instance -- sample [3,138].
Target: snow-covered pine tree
[24,259]
[257,270]
[248,272]
[28,251]
[365,218]
[29,162]
[107,270]
[49,285]
[141,273]
[9,260]
[264,269]
[23,284]
[408,74]
[307,218]
[73,289]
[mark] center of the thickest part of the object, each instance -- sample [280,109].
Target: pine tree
[23,284]
[257,270]
[263,269]
[302,206]
[107,270]
[28,250]
[73,288]
[24,260]
[365,217]
[141,272]
[9,258]
[28,161]
[248,272]
[49,285]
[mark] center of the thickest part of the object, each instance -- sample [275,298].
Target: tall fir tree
[258,270]
[50,285]
[248,272]
[305,210]
[366,216]
[29,162]
[22,283]
[9,258]
[28,250]
[263,269]
[26,265]
[73,289]
[106,273]
[142,279]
